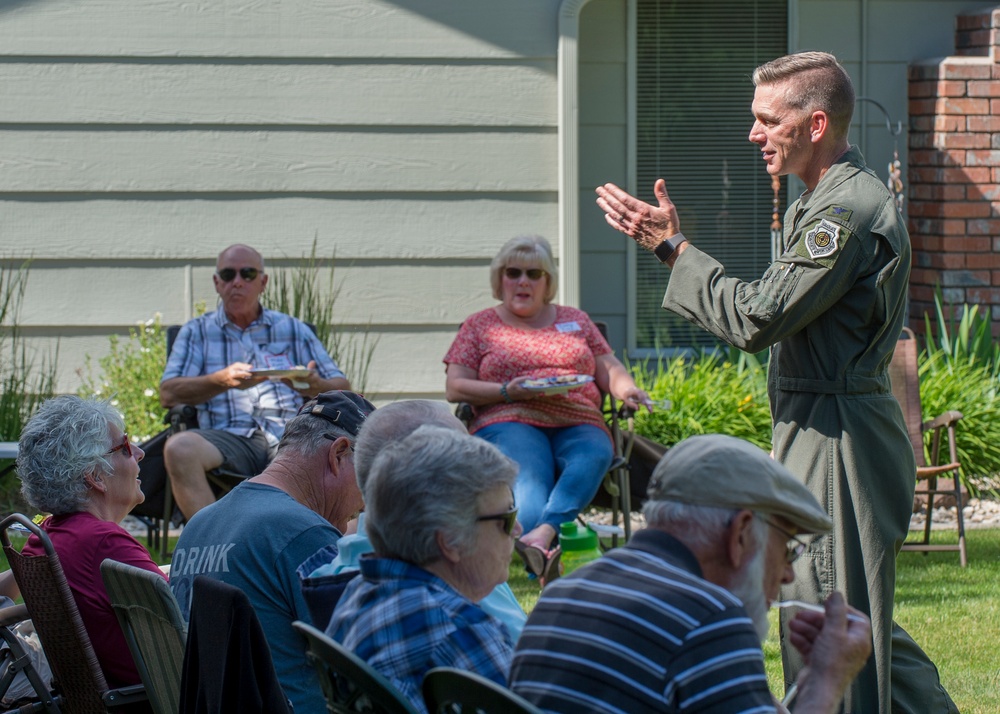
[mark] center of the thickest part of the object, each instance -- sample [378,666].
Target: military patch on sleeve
[823,240]
[840,213]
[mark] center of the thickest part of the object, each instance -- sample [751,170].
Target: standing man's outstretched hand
[644,223]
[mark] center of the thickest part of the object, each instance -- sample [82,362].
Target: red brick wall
[954,172]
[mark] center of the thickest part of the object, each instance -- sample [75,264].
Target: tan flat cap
[726,472]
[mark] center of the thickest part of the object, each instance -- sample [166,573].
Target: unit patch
[823,240]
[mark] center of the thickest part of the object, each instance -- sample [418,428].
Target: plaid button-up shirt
[404,621]
[211,342]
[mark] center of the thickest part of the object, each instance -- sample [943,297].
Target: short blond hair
[814,81]
[532,252]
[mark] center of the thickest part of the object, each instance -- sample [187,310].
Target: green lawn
[953,612]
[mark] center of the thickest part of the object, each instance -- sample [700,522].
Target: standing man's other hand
[644,223]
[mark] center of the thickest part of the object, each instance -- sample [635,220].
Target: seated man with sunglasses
[219,363]
[673,621]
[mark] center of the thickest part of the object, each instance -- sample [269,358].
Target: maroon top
[82,542]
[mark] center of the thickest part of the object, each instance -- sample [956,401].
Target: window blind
[695,60]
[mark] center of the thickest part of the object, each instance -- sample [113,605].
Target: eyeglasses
[533,273]
[794,547]
[508,520]
[125,446]
[227,275]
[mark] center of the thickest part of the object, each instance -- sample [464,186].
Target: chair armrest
[946,419]
[465,413]
[181,417]
[125,695]
[13,615]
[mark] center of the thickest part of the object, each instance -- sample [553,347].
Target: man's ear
[819,125]
[740,546]
[340,448]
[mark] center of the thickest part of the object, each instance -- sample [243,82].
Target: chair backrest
[350,685]
[154,629]
[451,690]
[57,621]
[905,377]
[227,661]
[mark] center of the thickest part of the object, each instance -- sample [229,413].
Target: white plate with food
[279,373]
[291,374]
[557,385]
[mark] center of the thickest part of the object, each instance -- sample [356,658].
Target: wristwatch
[667,248]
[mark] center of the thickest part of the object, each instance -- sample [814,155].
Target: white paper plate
[557,385]
[299,372]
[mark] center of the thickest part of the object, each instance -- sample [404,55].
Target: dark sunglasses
[226,275]
[507,519]
[125,446]
[533,273]
[794,548]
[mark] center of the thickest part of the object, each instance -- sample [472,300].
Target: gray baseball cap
[726,472]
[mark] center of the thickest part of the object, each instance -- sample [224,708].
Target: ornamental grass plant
[309,291]
[26,377]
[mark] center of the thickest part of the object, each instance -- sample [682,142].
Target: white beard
[749,588]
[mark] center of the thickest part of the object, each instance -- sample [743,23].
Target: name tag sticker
[277,362]
[568,326]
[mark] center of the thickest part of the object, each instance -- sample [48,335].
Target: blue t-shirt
[255,538]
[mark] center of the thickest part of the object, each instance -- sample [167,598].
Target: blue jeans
[561,468]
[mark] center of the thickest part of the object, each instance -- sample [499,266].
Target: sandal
[542,564]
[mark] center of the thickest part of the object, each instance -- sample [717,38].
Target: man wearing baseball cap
[257,535]
[674,620]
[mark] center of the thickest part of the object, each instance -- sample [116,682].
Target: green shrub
[712,394]
[130,376]
[967,387]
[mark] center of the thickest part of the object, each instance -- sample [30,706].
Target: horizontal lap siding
[408,139]
[406,293]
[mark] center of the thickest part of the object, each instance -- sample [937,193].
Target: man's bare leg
[187,457]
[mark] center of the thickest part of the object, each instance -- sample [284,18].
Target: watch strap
[667,248]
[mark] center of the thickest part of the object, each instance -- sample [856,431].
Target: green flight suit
[831,308]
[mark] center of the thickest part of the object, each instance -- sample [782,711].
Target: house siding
[410,139]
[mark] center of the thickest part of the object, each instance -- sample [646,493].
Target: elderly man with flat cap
[673,621]
[256,537]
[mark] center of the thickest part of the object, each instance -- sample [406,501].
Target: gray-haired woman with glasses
[441,515]
[75,462]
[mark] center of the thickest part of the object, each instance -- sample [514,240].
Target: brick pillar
[954,172]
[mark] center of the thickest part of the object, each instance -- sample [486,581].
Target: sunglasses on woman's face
[508,520]
[125,446]
[227,275]
[533,273]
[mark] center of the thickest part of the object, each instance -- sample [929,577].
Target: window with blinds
[694,92]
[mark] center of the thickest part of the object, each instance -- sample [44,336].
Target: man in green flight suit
[831,308]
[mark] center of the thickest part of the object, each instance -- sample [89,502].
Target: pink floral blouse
[499,353]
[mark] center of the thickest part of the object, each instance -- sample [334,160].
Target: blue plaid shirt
[211,342]
[404,621]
